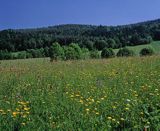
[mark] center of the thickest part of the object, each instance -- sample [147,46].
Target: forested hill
[89,36]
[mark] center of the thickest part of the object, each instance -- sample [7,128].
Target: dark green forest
[86,36]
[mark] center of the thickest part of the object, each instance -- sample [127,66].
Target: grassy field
[154,45]
[112,94]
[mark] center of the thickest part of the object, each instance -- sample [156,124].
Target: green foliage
[56,52]
[87,36]
[146,51]
[100,44]
[22,55]
[95,54]
[107,53]
[125,52]
[46,51]
[88,44]
[85,53]
[111,43]
[77,50]
[72,52]
[69,53]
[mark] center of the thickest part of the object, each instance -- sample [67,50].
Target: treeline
[87,36]
[71,52]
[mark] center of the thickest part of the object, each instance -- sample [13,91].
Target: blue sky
[41,13]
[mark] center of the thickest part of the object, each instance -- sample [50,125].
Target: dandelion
[15,113]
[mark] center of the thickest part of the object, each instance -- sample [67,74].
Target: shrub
[69,53]
[95,54]
[56,52]
[85,53]
[22,55]
[107,53]
[146,51]
[125,52]
[77,50]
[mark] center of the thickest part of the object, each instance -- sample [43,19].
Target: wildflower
[1,110]
[97,113]
[156,89]
[23,123]
[127,109]
[27,112]
[128,105]
[9,110]
[72,96]
[15,114]
[24,116]
[98,102]
[128,100]
[87,109]
[113,119]
[81,101]
[17,109]
[114,107]
[26,109]
[141,113]
[102,98]
[122,119]
[109,118]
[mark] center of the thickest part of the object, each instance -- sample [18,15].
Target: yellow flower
[26,109]
[23,123]
[122,119]
[127,109]
[114,107]
[1,111]
[113,119]
[27,112]
[87,109]
[97,113]
[109,118]
[15,114]
[102,98]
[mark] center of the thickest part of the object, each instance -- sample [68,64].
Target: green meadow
[103,94]
[155,45]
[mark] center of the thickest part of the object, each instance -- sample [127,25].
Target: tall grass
[112,94]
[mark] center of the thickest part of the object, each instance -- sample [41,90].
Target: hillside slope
[88,36]
[154,45]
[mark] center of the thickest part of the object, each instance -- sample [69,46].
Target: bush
[146,51]
[95,54]
[22,55]
[85,53]
[100,44]
[69,53]
[107,53]
[77,50]
[56,52]
[125,52]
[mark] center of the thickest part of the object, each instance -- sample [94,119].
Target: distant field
[155,45]
[111,94]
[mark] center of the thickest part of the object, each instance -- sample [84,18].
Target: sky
[15,14]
